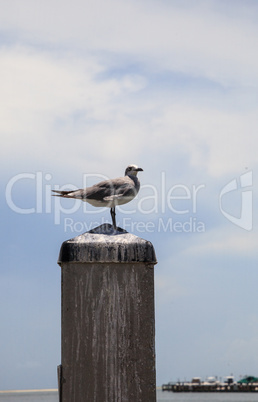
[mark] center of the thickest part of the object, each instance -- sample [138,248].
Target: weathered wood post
[108,351]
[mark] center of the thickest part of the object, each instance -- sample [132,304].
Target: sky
[88,87]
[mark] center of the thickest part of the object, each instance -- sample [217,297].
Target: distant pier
[247,384]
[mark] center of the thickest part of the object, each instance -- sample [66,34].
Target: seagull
[108,193]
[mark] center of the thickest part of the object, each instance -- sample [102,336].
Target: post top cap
[105,244]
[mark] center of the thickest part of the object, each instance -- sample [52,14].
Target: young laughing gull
[108,193]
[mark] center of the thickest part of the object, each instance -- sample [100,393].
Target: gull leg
[113,216]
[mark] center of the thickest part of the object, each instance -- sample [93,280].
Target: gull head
[132,170]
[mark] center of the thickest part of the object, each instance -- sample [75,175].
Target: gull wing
[109,190]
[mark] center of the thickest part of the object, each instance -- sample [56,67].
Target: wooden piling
[108,329]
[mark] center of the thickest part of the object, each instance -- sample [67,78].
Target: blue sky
[87,88]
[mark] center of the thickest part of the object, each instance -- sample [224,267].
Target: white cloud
[229,241]
[220,141]
[51,105]
[58,107]
[54,99]
[204,40]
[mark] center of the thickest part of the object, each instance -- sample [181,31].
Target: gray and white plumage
[108,193]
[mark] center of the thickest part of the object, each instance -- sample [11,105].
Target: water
[166,396]
[46,396]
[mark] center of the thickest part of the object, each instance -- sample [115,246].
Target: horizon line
[28,390]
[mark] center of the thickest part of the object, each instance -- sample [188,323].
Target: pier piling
[108,328]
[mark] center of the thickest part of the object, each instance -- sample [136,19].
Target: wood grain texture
[108,333]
